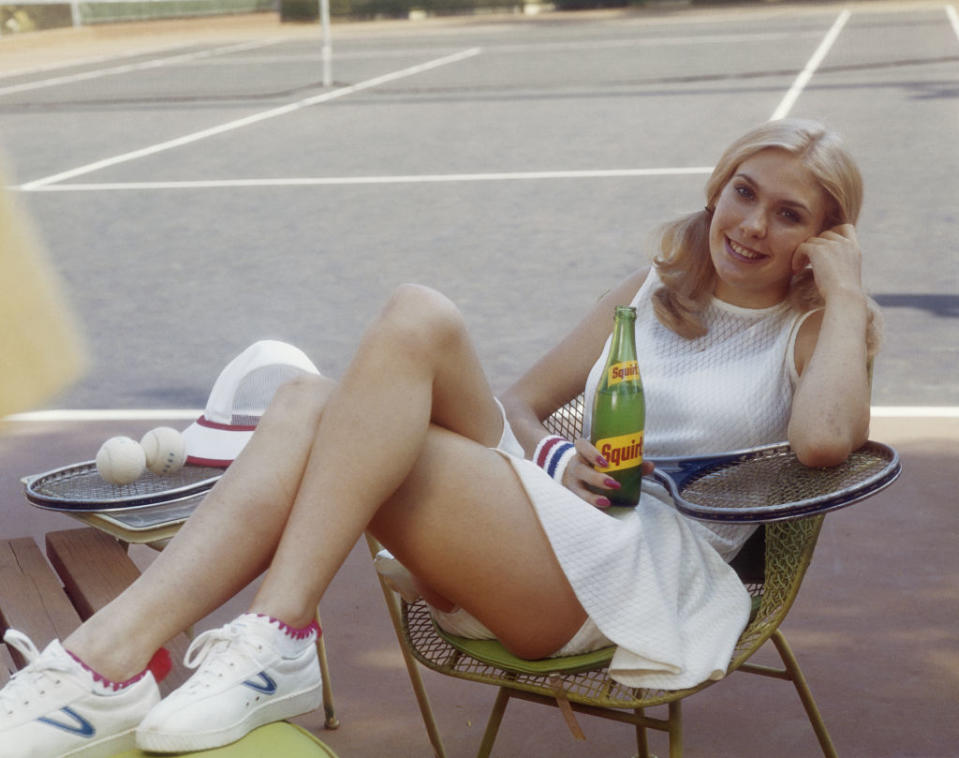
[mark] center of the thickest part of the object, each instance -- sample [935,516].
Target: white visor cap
[239,397]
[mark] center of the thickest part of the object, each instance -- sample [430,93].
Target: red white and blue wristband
[553,454]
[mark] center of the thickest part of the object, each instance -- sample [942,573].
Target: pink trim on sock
[290,631]
[109,683]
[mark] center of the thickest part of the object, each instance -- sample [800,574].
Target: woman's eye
[744,191]
[790,215]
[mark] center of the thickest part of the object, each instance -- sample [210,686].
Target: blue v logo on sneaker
[78,724]
[268,686]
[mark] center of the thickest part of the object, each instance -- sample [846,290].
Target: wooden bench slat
[32,599]
[95,568]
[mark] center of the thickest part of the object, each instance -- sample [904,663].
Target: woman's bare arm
[830,413]
[558,377]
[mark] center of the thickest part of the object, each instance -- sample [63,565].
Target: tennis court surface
[199,188]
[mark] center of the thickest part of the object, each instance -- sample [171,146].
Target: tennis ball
[165,450]
[120,460]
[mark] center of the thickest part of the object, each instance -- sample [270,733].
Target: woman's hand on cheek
[836,261]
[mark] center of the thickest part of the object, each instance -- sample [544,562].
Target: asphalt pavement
[210,191]
[199,189]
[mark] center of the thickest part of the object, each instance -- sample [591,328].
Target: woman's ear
[800,260]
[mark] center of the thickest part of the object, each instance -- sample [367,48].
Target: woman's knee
[300,398]
[421,318]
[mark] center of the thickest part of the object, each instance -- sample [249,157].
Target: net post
[327,49]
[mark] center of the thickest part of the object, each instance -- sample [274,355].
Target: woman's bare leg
[414,367]
[243,515]
[463,524]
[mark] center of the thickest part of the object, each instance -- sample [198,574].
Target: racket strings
[777,478]
[83,484]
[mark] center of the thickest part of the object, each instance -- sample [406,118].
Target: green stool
[277,739]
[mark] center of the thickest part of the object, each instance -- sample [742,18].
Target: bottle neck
[621,364]
[623,346]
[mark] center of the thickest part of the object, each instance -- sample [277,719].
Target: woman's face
[770,206]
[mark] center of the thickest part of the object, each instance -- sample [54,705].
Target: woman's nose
[754,223]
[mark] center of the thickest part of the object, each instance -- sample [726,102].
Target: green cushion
[277,739]
[494,654]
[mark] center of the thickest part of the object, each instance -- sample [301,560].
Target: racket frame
[674,472]
[151,497]
[671,472]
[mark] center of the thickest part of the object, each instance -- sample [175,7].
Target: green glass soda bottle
[619,412]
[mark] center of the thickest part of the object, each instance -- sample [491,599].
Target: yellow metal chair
[772,566]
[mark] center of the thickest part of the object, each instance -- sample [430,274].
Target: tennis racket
[79,488]
[769,483]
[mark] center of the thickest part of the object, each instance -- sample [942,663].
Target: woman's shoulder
[630,288]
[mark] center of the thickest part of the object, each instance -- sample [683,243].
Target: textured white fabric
[727,390]
[649,581]
[656,583]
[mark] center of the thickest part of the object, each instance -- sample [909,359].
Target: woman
[762,287]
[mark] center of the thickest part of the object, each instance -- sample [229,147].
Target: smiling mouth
[743,253]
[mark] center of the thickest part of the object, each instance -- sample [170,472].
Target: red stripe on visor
[204,421]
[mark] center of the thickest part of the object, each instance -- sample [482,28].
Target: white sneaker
[54,707]
[249,673]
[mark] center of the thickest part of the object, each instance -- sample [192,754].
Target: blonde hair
[684,263]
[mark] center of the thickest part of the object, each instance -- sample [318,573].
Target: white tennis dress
[655,582]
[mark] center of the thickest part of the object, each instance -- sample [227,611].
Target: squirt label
[623,372]
[623,451]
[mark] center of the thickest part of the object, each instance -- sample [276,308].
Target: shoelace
[214,652]
[30,678]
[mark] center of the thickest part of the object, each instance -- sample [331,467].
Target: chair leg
[676,729]
[331,721]
[492,726]
[412,669]
[642,744]
[805,694]
[416,682]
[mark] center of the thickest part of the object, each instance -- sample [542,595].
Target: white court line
[128,67]
[806,74]
[89,61]
[298,57]
[132,414]
[248,120]
[135,414]
[359,180]
[915,411]
[535,47]
[697,39]
[953,18]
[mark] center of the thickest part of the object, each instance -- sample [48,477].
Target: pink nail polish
[612,483]
[602,461]
[603,502]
